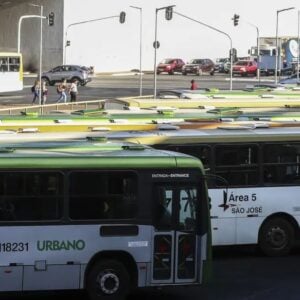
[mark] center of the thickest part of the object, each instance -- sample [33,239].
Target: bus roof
[91,155]
[226,134]
[10,54]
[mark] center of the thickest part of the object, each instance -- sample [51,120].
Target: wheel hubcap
[108,283]
[277,237]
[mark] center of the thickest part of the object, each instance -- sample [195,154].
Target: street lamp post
[257,49]
[141,47]
[41,17]
[156,46]
[298,40]
[220,31]
[277,56]
[41,51]
[84,22]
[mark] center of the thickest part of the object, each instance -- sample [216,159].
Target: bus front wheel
[276,237]
[108,279]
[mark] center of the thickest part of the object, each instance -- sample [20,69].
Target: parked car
[222,64]
[293,79]
[244,68]
[199,66]
[227,67]
[170,66]
[69,72]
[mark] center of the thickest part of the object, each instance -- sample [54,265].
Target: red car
[170,66]
[245,68]
[199,66]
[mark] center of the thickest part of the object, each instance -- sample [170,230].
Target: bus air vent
[237,127]
[167,127]
[63,121]
[102,139]
[266,96]
[227,120]
[100,129]
[28,130]
[265,119]
[7,150]
[261,125]
[218,97]
[118,121]
[133,147]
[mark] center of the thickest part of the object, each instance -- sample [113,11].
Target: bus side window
[7,210]
[103,195]
[14,64]
[25,196]
[283,162]
[238,164]
[3,64]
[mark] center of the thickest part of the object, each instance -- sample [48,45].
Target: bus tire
[108,279]
[276,237]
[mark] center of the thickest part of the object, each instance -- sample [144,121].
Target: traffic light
[169,13]
[51,19]
[68,43]
[122,17]
[233,53]
[235,19]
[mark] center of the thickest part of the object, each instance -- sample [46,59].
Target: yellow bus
[11,72]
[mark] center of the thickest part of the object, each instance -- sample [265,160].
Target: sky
[112,46]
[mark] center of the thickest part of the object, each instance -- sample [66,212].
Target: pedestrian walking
[36,90]
[62,89]
[74,90]
[44,92]
[193,85]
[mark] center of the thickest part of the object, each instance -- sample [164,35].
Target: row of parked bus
[137,209]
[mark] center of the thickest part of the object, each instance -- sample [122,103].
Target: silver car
[68,72]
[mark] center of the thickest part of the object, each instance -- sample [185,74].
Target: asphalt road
[238,274]
[118,85]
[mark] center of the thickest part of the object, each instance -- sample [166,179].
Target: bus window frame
[131,220]
[60,201]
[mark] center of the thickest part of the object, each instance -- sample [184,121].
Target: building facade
[29,38]
[100,40]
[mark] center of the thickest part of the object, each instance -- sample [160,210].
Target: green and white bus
[106,217]
[262,169]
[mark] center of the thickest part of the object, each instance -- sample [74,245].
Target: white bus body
[264,210]
[11,72]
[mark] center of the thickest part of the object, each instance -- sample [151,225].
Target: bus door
[175,240]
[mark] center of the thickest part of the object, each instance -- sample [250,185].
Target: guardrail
[47,108]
